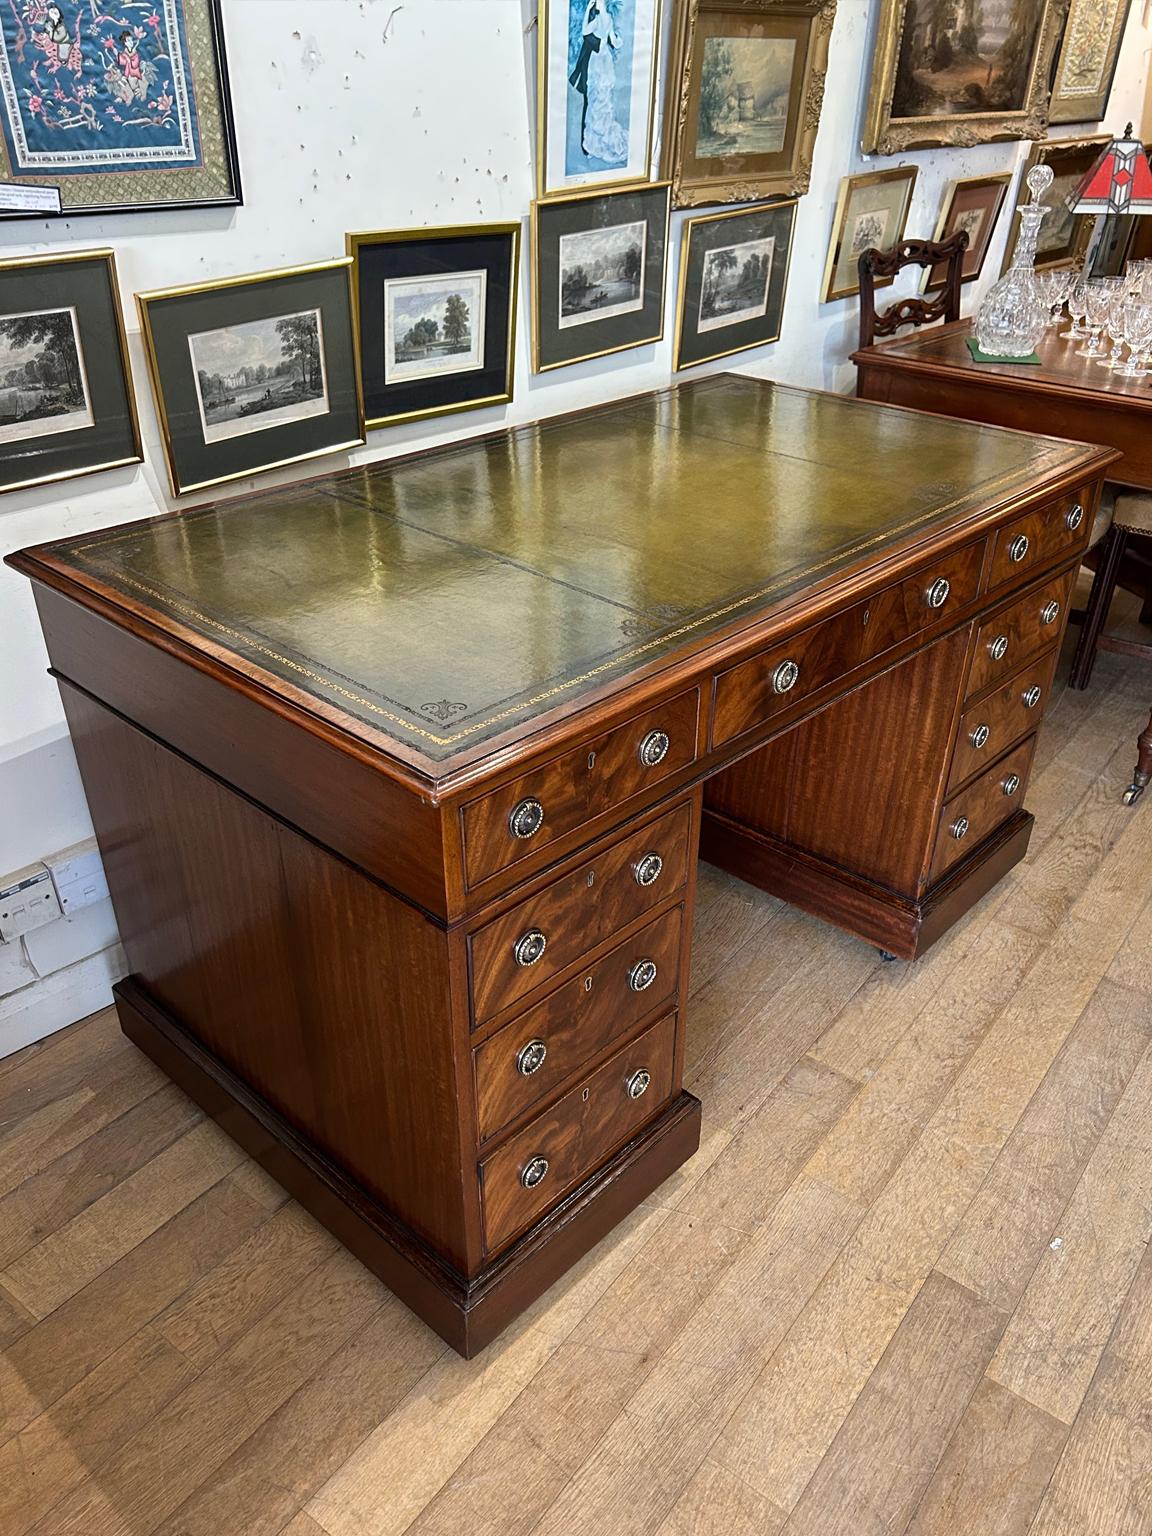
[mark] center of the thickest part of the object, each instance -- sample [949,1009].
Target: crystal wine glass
[1077,307]
[1059,283]
[1115,326]
[1097,299]
[1138,333]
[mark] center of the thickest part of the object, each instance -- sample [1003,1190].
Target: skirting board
[468,1314]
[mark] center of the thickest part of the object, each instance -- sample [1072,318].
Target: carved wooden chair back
[876,264]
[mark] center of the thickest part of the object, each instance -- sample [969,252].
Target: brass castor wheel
[1133,793]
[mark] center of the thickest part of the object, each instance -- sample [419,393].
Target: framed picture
[251,373]
[598,267]
[1064,236]
[435,313]
[733,277]
[960,74]
[1087,58]
[120,106]
[972,204]
[871,210]
[745,84]
[66,402]
[596,93]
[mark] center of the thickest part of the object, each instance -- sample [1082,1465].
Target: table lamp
[1120,182]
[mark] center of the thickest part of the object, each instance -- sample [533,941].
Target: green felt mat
[982,357]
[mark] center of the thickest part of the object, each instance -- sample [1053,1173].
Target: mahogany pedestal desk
[400,777]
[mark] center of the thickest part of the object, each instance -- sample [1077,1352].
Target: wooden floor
[906,1286]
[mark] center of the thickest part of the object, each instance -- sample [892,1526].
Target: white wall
[368,114]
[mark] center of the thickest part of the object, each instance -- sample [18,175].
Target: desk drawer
[970,816]
[560,796]
[561,1147]
[1033,540]
[753,691]
[1007,639]
[991,726]
[523,1062]
[513,954]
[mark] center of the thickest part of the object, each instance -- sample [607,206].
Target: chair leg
[1143,771]
[1099,602]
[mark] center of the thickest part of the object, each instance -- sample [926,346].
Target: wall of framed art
[418,125]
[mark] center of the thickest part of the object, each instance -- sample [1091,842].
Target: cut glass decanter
[1013,316]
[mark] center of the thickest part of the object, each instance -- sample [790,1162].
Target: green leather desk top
[450,597]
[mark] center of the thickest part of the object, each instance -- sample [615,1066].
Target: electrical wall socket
[28,900]
[78,876]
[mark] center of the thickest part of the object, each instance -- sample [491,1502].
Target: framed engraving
[733,278]
[871,210]
[971,204]
[745,88]
[960,74]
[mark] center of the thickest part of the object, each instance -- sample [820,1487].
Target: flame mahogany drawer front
[513,954]
[1035,539]
[971,815]
[992,725]
[526,1060]
[765,685]
[561,1147]
[560,796]
[1007,639]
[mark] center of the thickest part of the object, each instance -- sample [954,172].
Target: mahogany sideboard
[400,776]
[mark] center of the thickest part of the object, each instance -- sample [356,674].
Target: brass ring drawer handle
[979,736]
[529,947]
[1031,696]
[1075,517]
[526,819]
[937,594]
[1018,548]
[999,648]
[959,828]
[647,871]
[530,1057]
[638,1084]
[1050,612]
[1011,784]
[534,1172]
[785,677]
[654,748]
[642,975]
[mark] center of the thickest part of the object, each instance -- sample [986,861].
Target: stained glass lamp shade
[1119,182]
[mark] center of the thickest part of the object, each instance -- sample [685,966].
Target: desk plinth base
[898,924]
[468,1314]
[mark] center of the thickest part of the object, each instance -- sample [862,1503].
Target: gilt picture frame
[435,316]
[969,80]
[1064,236]
[596,93]
[733,281]
[67,405]
[871,211]
[1086,60]
[118,108]
[972,203]
[253,373]
[745,85]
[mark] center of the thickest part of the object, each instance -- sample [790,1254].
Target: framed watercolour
[1086,61]
[733,276]
[595,96]
[121,106]
[598,266]
[871,210]
[251,373]
[435,313]
[745,85]
[66,401]
[1064,236]
[959,74]
[972,204]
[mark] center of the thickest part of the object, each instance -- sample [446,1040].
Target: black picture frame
[83,286]
[211,180]
[555,344]
[211,425]
[702,341]
[383,262]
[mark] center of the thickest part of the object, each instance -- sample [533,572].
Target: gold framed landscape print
[871,211]
[733,277]
[1064,236]
[596,87]
[745,86]
[972,204]
[598,269]
[1086,63]
[252,373]
[962,73]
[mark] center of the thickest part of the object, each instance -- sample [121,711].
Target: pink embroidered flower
[138,31]
[153,21]
[35,104]
[163,103]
